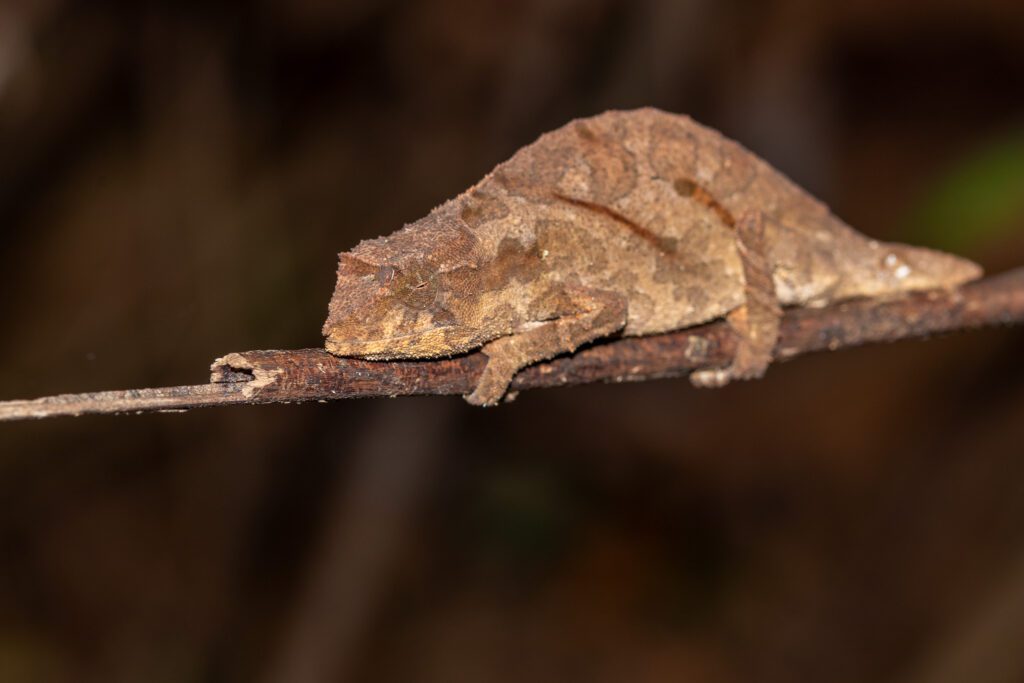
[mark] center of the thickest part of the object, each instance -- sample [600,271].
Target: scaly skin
[627,223]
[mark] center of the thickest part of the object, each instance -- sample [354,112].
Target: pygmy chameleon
[627,223]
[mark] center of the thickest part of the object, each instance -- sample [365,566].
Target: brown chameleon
[627,223]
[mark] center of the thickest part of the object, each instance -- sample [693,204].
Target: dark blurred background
[176,179]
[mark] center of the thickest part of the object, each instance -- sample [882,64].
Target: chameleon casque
[626,223]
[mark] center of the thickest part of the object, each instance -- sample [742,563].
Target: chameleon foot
[592,314]
[750,362]
[711,379]
[496,377]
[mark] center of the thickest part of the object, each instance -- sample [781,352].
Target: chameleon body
[626,223]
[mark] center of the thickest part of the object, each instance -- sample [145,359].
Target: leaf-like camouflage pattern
[628,223]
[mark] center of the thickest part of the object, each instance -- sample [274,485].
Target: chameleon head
[392,310]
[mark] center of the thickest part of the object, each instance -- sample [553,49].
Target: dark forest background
[176,179]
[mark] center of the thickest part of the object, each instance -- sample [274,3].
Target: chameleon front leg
[593,314]
[756,322]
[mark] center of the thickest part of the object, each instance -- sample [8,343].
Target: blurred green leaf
[975,203]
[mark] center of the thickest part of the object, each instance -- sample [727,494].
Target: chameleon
[622,224]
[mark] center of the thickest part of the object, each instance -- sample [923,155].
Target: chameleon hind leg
[756,322]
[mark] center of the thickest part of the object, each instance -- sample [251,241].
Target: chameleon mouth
[415,345]
[358,349]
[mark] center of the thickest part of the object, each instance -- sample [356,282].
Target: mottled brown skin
[626,223]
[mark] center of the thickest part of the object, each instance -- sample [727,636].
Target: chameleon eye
[416,292]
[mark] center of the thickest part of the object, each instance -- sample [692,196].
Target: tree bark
[254,377]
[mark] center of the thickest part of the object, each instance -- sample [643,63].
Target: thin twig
[256,377]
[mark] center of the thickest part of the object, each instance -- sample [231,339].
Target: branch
[314,375]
